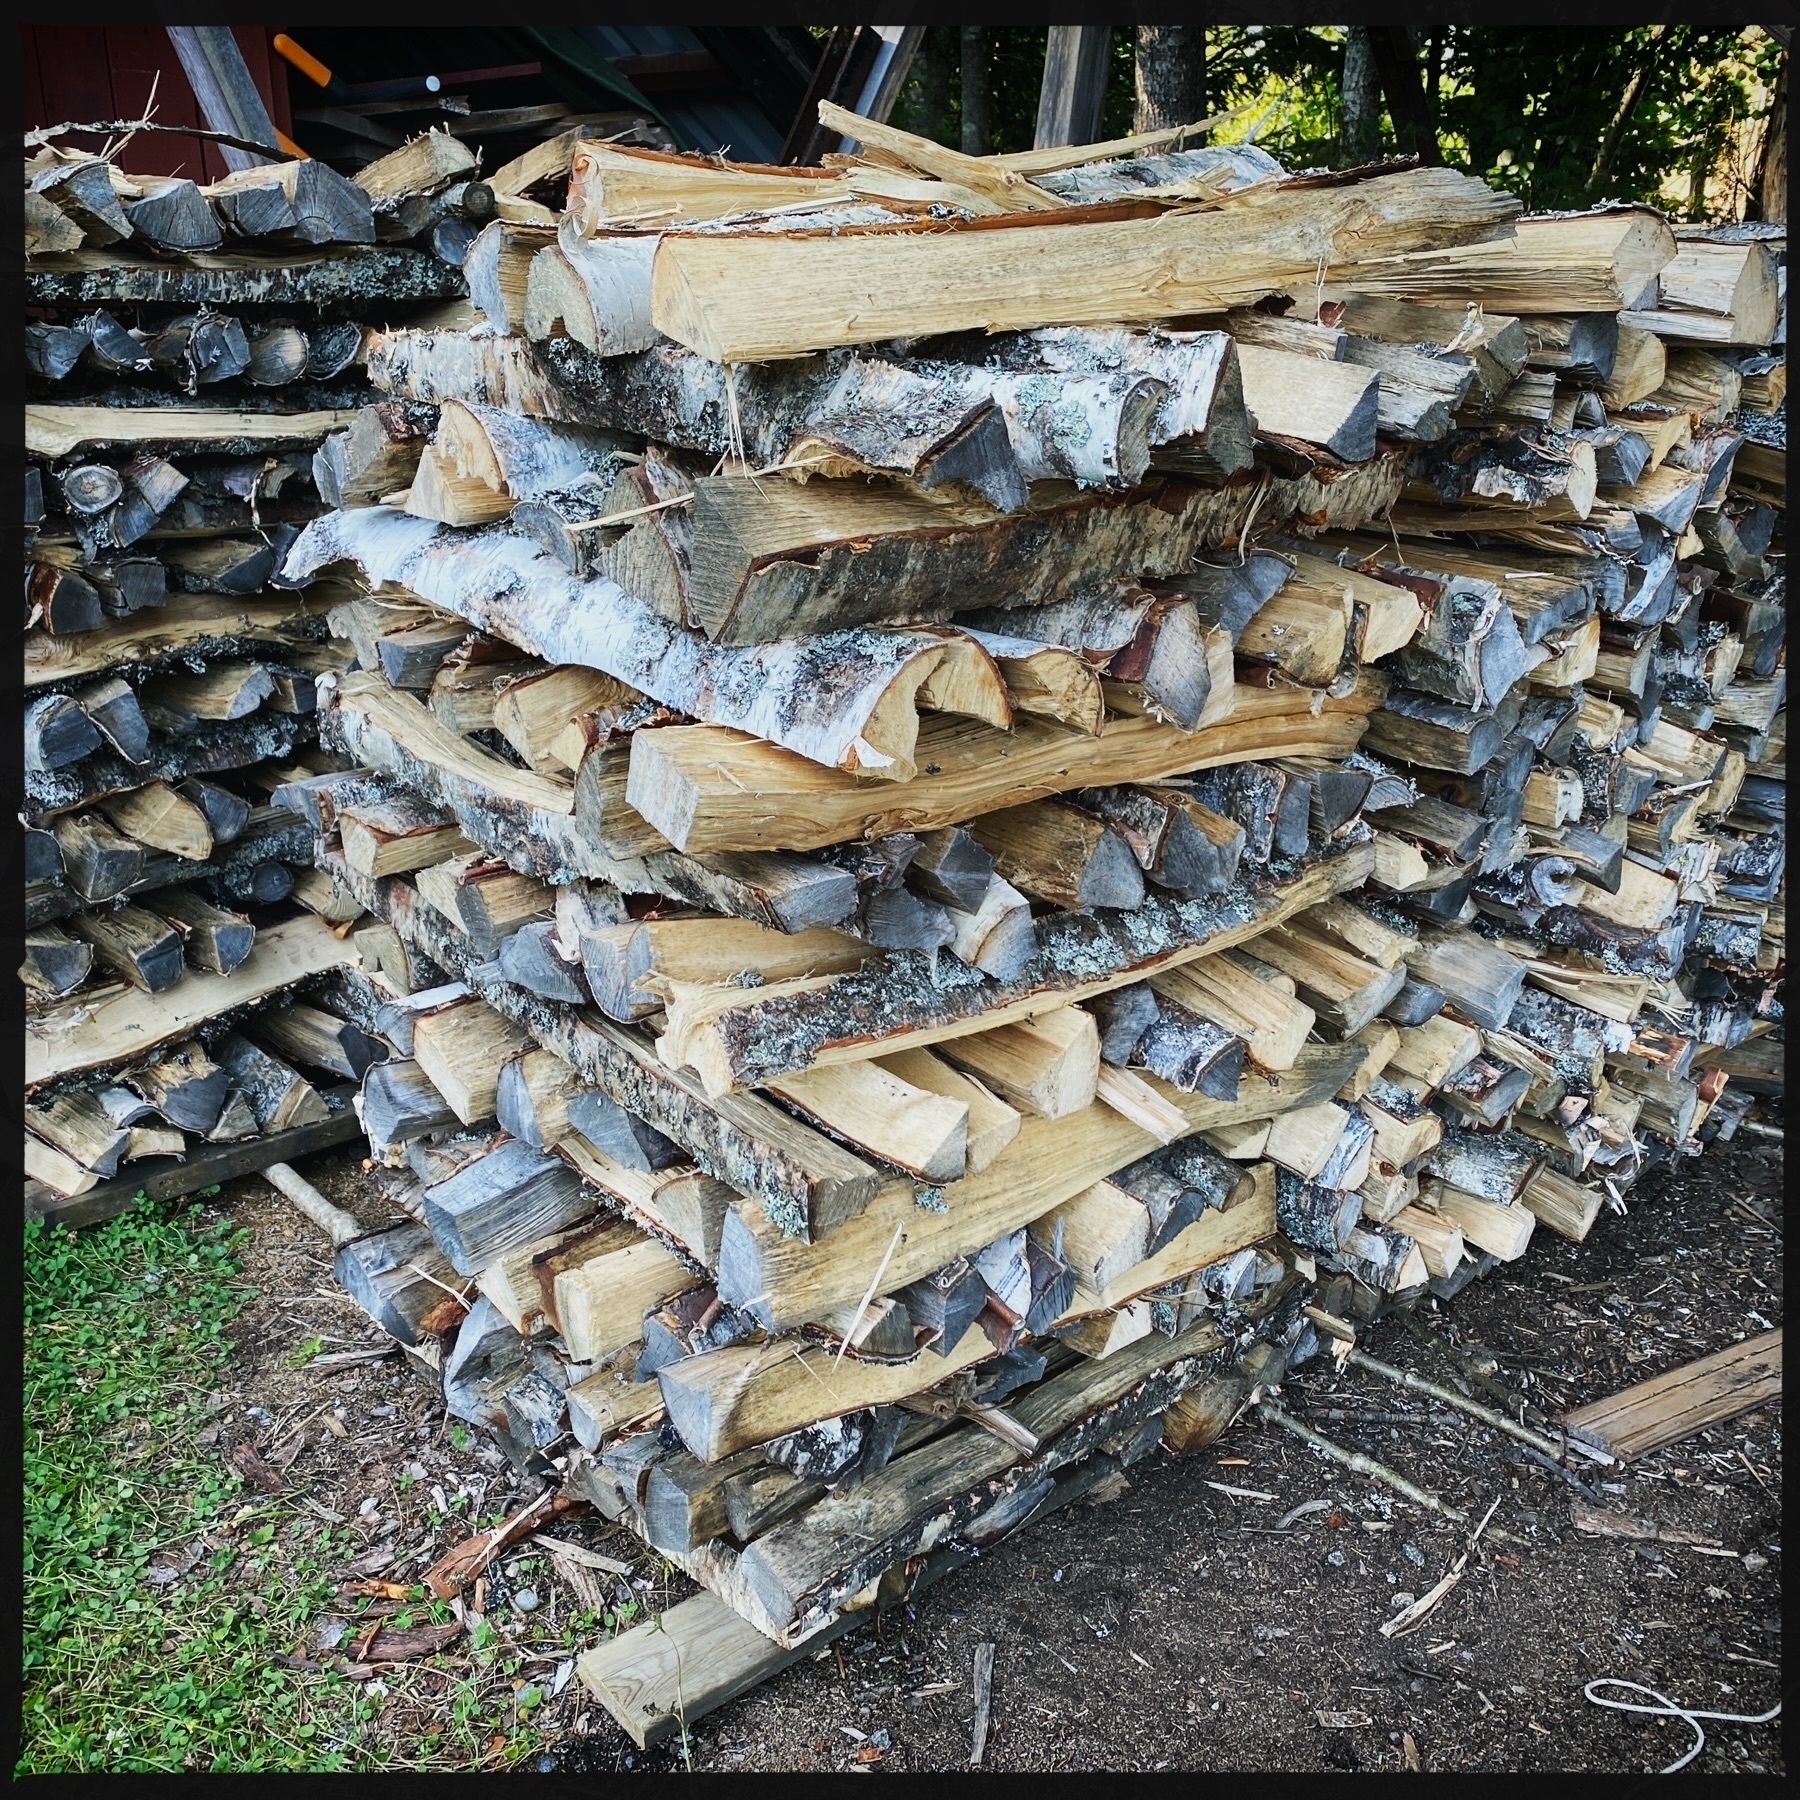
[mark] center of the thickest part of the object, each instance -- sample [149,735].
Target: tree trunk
[977,52]
[1360,132]
[1396,58]
[937,61]
[1170,77]
[1772,186]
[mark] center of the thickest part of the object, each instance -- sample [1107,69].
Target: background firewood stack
[188,349]
[978,781]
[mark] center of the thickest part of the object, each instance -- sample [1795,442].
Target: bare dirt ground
[1180,1626]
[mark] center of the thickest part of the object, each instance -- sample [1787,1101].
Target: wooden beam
[1077,59]
[203,1166]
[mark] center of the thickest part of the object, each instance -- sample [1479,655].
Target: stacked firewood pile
[188,349]
[994,790]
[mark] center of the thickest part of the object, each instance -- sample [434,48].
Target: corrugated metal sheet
[726,122]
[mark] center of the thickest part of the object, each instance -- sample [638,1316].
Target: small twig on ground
[1547,1448]
[1493,1389]
[1367,1465]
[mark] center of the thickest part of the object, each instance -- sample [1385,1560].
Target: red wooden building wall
[82,72]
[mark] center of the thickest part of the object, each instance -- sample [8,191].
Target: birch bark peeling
[844,699]
[743,299]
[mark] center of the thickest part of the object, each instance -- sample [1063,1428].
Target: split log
[211,938]
[1419,392]
[462,1048]
[224,692]
[962,279]
[158,816]
[135,944]
[99,861]
[991,1125]
[595,290]
[875,556]
[316,1038]
[83,190]
[598,1302]
[1061,853]
[399,1104]
[1190,1052]
[58,732]
[1339,985]
[747,1037]
[508,1198]
[185,1086]
[914,1129]
[1583,262]
[637,968]
[1047,1067]
[952,867]
[279,1097]
[1716,293]
[998,937]
[1495,345]
[55,963]
[62,601]
[1122,1016]
[627,1142]
[77,1125]
[531,1099]
[707,791]
[1262,1011]
[297,202]
[1331,404]
[482,461]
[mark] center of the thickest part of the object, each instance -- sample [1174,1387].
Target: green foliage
[1529,108]
[1532,108]
[125,1332]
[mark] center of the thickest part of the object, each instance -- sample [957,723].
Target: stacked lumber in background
[189,349]
[990,790]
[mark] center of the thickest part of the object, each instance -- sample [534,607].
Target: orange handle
[288,144]
[303,60]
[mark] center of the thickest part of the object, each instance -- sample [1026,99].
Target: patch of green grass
[125,1335]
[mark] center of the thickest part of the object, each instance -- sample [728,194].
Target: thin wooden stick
[337,1224]
[1362,1465]
[1450,1397]
[1461,1363]
[35,139]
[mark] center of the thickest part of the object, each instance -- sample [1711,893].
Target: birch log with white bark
[845,698]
